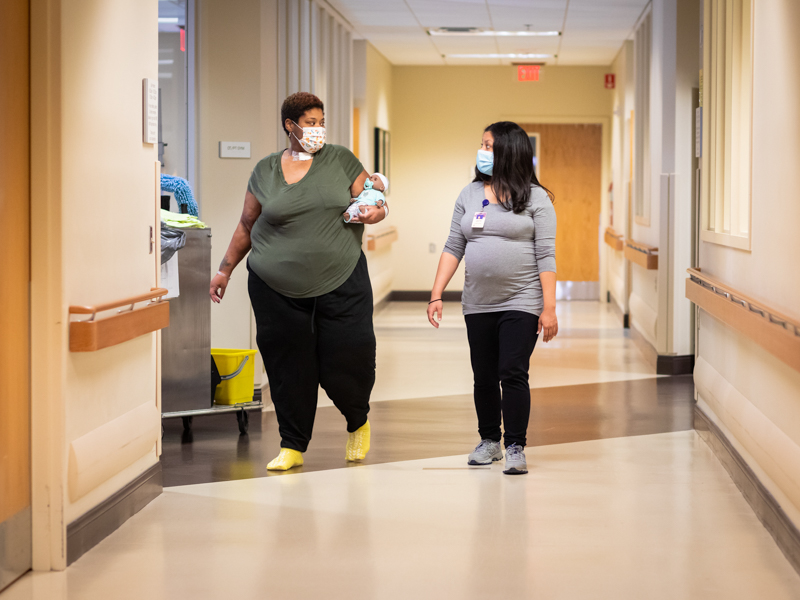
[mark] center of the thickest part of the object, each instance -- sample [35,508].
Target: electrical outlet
[432,248]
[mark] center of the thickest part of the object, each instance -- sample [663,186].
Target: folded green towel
[184,221]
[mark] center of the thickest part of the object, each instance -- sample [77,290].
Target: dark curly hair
[296,105]
[513,174]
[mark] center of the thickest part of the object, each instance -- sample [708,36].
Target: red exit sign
[528,72]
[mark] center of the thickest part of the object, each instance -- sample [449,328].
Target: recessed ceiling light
[473,31]
[498,56]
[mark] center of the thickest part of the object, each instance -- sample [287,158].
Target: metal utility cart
[186,344]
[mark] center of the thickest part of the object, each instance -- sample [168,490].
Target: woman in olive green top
[308,280]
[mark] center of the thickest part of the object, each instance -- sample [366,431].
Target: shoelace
[484,445]
[513,452]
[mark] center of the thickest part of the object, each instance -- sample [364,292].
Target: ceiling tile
[593,33]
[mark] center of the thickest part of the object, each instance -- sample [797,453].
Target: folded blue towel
[183,192]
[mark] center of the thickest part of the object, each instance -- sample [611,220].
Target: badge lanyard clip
[479,219]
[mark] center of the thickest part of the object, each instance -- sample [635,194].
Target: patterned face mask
[313,138]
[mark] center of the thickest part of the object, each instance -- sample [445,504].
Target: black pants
[500,346]
[307,342]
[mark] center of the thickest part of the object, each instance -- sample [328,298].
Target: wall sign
[150,111]
[611,81]
[234,149]
[528,72]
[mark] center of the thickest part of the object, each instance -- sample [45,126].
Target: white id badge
[478,220]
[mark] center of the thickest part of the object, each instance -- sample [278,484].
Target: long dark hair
[513,172]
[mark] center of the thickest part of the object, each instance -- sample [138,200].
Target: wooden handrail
[643,255]
[639,247]
[614,239]
[93,310]
[770,329]
[382,239]
[93,334]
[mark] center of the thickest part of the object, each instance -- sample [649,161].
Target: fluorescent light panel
[498,55]
[490,32]
[168,20]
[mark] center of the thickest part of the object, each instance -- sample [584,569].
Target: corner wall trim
[413,296]
[763,503]
[88,530]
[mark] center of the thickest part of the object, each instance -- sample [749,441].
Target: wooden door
[570,165]
[15,453]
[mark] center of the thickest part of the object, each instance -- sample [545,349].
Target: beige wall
[438,116]
[756,397]
[94,190]
[372,95]
[247,63]
[617,279]
[237,101]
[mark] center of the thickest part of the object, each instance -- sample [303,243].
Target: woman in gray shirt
[504,226]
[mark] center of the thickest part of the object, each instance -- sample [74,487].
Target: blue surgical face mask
[485,162]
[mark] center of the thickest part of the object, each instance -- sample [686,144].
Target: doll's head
[379,182]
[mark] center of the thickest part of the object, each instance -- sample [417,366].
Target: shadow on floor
[425,428]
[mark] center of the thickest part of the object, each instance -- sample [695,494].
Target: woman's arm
[544,249]
[454,249]
[370,214]
[444,273]
[548,322]
[358,185]
[238,248]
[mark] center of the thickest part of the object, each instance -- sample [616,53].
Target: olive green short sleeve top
[301,246]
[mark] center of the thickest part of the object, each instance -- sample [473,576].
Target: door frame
[48,312]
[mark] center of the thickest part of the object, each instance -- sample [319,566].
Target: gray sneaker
[486,452]
[515,460]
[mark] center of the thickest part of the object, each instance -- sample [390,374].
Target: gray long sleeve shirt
[504,258]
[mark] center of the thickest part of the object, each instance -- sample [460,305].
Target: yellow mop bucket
[237,370]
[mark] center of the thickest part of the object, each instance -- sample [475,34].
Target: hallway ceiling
[592,30]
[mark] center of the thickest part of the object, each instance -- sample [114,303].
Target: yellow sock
[287,459]
[358,443]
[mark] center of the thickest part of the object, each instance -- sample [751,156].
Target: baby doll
[371,196]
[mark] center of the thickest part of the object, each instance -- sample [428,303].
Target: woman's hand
[435,308]
[369,215]
[548,323]
[217,288]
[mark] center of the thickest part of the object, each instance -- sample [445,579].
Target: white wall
[756,398]
[658,308]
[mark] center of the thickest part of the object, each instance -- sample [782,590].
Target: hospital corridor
[393,299]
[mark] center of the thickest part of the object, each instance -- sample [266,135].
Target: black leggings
[307,342]
[500,346]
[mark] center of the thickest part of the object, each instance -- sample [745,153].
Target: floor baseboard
[664,364]
[763,503]
[617,310]
[680,364]
[88,530]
